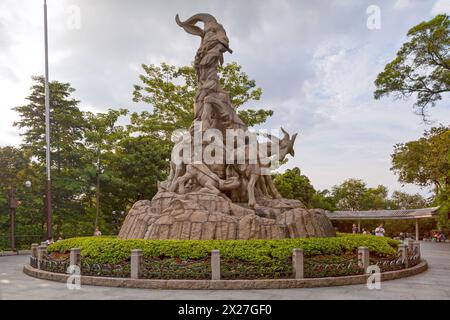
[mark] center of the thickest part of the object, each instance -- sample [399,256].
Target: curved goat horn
[285,132]
[293,137]
[189,25]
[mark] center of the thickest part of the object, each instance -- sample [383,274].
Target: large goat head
[286,145]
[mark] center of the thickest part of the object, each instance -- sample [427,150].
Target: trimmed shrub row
[274,252]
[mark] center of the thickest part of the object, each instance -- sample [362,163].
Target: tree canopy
[293,185]
[421,67]
[352,194]
[426,162]
[170,90]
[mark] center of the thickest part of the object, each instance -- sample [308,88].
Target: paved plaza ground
[432,284]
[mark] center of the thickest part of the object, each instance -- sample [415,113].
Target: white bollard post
[215,265]
[363,258]
[136,263]
[34,250]
[416,248]
[75,257]
[297,261]
[40,254]
[403,249]
[410,244]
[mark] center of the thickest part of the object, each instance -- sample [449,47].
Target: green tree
[426,162]
[293,185]
[421,67]
[443,201]
[349,195]
[17,168]
[134,170]
[13,163]
[100,137]
[402,200]
[353,194]
[324,200]
[171,92]
[67,150]
[375,198]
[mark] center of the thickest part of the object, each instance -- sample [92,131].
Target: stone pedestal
[208,216]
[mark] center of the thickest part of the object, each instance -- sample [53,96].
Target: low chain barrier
[176,269]
[318,268]
[34,262]
[390,263]
[52,264]
[118,270]
[413,256]
[233,269]
[212,267]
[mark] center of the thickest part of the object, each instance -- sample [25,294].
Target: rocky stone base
[208,216]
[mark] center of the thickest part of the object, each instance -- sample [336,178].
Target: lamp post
[117,216]
[47,129]
[13,203]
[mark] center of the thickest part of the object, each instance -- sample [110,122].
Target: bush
[274,252]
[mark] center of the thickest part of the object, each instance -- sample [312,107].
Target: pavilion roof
[383,214]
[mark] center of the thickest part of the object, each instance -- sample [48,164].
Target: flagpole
[47,130]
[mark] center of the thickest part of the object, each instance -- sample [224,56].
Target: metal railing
[172,269]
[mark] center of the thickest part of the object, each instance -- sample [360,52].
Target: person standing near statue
[379,231]
[97,232]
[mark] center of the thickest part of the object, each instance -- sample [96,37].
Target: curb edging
[224,284]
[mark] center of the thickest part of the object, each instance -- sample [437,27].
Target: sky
[316,62]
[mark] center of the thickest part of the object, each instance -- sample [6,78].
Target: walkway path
[432,284]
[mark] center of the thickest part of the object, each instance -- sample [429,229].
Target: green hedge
[113,250]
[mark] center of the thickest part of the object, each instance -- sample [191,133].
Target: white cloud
[441,6]
[401,4]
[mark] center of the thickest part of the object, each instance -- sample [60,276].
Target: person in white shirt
[380,231]
[97,232]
